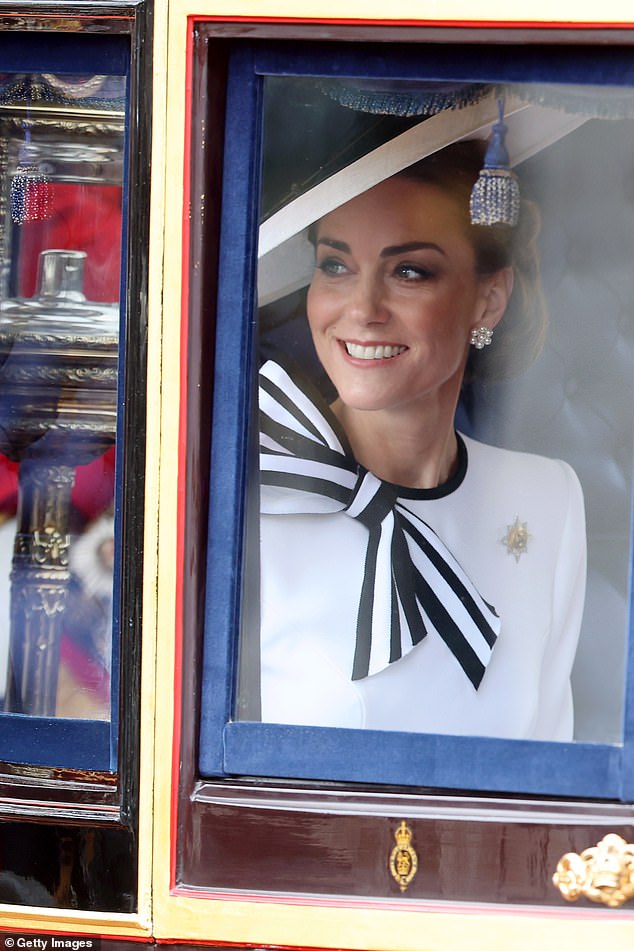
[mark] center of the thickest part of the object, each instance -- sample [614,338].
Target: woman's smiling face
[395,295]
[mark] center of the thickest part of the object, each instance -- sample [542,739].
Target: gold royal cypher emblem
[403,858]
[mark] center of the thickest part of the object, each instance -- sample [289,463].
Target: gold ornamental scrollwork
[603,873]
[403,857]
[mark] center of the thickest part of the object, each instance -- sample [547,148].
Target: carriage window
[437,554]
[61,234]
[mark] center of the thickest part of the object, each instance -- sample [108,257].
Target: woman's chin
[363,401]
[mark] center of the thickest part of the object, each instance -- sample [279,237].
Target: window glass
[61,196]
[565,396]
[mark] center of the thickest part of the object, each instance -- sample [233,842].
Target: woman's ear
[497,291]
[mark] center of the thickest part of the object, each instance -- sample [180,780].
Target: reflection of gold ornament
[516,538]
[403,858]
[75,89]
[604,873]
[50,547]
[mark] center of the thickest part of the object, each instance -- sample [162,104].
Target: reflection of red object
[92,492]
[86,670]
[94,485]
[8,485]
[82,218]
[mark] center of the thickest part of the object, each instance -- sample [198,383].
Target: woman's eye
[413,272]
[332,267]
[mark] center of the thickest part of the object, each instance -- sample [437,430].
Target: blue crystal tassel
[495,197]
[31,193]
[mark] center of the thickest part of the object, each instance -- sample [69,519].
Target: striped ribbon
[412,584]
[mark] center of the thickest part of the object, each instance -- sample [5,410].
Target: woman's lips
[372,352]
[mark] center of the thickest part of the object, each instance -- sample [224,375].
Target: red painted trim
[182,459]
[458,24]
[224,945]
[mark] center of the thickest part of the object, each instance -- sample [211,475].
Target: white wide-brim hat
[286,256]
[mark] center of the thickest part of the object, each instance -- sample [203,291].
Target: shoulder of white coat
[529,470]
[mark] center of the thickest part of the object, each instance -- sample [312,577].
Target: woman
[411,578]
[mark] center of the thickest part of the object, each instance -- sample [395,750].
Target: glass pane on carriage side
[568,401]
[62,141]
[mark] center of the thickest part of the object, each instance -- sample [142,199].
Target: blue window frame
[233,747]
[59,741]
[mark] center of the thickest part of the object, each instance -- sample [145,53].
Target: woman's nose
[366,302]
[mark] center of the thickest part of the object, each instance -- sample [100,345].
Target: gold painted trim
[35,920]
[421,925]
[460,12]
[149,776]
[166,212]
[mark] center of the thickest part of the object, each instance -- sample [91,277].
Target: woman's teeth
[372,353]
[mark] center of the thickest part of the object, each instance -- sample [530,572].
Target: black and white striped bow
[412,583]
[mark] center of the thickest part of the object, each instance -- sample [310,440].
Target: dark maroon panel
[469,850]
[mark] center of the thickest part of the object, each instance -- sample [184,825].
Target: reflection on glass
[61,153]
[571,148]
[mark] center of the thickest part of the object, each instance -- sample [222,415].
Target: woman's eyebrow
[395,249]
[390,251]
[334,244]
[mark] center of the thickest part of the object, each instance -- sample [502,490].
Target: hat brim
[285,255]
